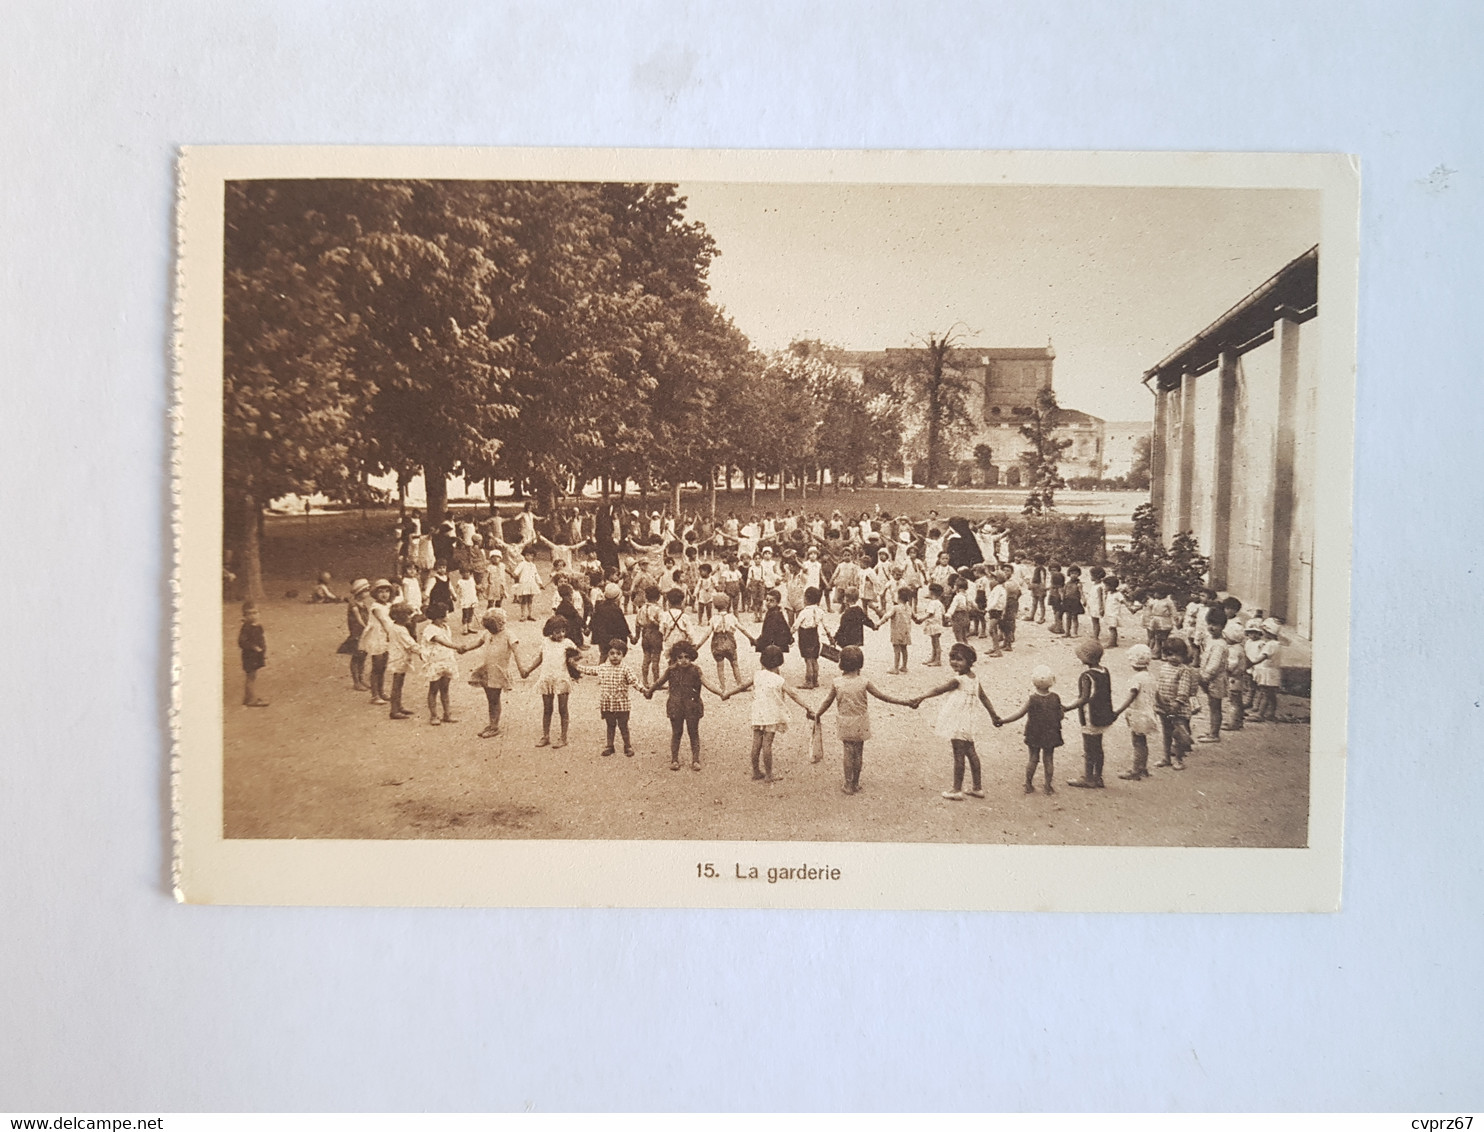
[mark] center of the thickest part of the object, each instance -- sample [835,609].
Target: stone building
[1233,450]
[1004,384]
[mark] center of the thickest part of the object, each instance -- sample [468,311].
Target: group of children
[678,598]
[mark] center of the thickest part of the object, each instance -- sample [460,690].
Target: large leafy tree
[291,400]
[434,274]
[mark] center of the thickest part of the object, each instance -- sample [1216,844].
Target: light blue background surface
[113,998]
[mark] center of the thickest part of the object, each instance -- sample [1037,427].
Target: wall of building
[1235,463]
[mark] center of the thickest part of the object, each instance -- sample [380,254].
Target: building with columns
[1232,457]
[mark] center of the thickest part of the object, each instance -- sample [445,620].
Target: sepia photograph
[795,514]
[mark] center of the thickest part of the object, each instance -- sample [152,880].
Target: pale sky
[1116,278]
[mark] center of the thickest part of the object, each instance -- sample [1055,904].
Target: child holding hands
[769,717]
[850,690]
[684,707]
[1043,711]
[956,718]
[614,682]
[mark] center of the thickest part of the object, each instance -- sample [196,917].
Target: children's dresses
[901,625]
[1043,721]
[956,716]
[373,636]
[1140,714]
[1095,686]
[555,680]
[402,651]
[685,693]
[440,658]
[495,657]
[774,631]
[852,701]
[767,701]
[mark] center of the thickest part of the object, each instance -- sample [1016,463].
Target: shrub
[1148,562]
[1082,539]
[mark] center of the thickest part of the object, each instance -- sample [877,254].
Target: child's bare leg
[443,685]
[612,725]
[972,755]
[562,711]
[433,702]
[623,729]
[547,701]
[249,687]
[1048,768]
[1031,763]
[1112,638]
[492,701]
[693,726]
[767,737]
[721,673]
[677,728]
[736,672]
[757,754]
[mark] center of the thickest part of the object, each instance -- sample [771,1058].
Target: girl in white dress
[769,716]
[956,718]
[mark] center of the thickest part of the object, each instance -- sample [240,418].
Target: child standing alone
[254,647]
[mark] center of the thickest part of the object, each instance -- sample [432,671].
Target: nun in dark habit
[961,545]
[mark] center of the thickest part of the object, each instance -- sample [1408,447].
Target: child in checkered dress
[1174,693]
[614,682]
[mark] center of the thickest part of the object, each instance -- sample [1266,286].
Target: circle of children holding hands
[673,584]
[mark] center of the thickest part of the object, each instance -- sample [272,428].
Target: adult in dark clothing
[961,545]
[603,536]
[443,540]
[608,622]
[853,623]
[775,630]
[568,613]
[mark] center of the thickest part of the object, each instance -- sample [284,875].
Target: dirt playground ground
[322,762]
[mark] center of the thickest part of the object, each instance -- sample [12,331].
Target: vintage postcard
[938,530]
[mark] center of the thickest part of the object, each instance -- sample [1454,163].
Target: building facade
[1233,448]
[1004,384]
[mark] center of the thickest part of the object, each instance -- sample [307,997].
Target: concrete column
[1157,441]
[1286,335]
[1226,426]
[1187,452]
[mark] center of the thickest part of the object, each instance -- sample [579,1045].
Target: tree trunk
[435,485]
[249,549]
[675,502]
[712,481]
[729,479]
[751,489]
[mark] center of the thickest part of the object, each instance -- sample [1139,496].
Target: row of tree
[552,334]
